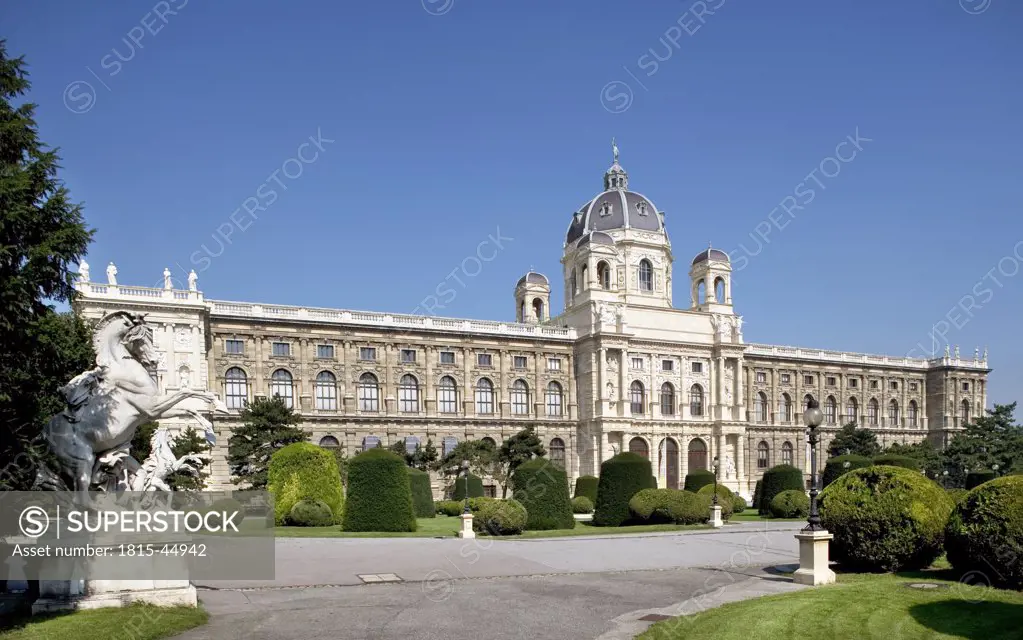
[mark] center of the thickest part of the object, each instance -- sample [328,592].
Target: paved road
[562,588]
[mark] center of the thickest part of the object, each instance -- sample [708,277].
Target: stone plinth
[715,517]
[64,595]
[466,531]
[813,558]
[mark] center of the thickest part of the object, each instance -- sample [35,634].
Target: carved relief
[183,338]
[729,383]
[612,361]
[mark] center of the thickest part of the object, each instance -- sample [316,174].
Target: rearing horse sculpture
[107,404]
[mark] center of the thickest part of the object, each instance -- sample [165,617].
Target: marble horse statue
[91,438]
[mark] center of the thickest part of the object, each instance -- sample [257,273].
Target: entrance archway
[670,452]
[697,454]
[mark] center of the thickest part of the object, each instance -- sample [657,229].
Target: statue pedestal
[466,531]
[64,595]
[715,517]
[813,558]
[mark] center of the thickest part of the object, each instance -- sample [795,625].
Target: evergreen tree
[190,442]
[140,447]
[42,234]
[424,457]
[854,440]
[926,455]
[267,425]
[516,450]
[987,441]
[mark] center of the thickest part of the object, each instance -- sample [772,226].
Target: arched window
[667,399]
[785,408]
[636,397]
[603,275]
[575,283]
[408,394]
[557,452]
[911,413]
[696,400]
[786,453]
[719,290]
[806,400]
[697,454]
[370,442]
[369,393]
[236,389]
[538,308]
[893,414]
[872,411]
[329,442]
[966,411]
[326,391]
[447,395]
[484,396]
[760,407]
[646,275]
[638,445]
[763,455]
[282,385]
[852,411]
[489,443]
[554,399]
[701,292]
[584,274]
[411,442]
[520,398]
[830,411]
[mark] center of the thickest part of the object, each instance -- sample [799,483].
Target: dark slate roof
[710,254]
[624,210]
[535,278]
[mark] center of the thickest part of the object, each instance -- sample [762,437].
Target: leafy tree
[854,440]
[341,455]
[267,425]
[989,440]
[480,454]
[189,442]
[515,451]
[926,455]
[420,457]
[42,234]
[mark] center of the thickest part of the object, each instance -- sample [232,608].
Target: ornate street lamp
[813,417]
[944,479]
[813,538]
[465,469]
[994,468]
[715,503]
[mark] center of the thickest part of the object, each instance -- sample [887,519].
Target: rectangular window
[894,386]
[761,377]
[786,378]
[447,357]
[408,356]
[873,384]
[281,349]
[912,386]
[484,359]
[830,381]
[853,383]
[367,353]
[637,363]
[966,386]
[697,367]
[554,364]
[235,347]
[667,365]
[325,351]
[519,362]
[808,381]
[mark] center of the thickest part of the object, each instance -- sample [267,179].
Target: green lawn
[860,607]
[138,622]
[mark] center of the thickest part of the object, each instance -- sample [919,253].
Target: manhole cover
[369,578]
[925,585]
[655,617]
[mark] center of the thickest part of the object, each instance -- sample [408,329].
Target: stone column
[740,461]
[468,406]
[429,386]
[739,373]
[683,466]
[541,365]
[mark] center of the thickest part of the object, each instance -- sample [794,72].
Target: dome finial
[614,149]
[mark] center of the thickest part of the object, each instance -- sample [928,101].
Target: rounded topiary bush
[977,478]
[790,504]
[304,471]
[957,495]
[542,488]
[739,504]
[659,506]
[696,480]
[310,513]
[686,507]
[985,532]
[783,477]
[498,517]
[449,507]
[836,467]
[726,499]
[422,493]
[621,477]
[379,496]
[885,519]
[582,504]
[587,486]
[650,505]
[892,460]
[756,496]
[475,487]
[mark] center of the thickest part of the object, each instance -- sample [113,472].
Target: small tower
[711,278]
[533,298]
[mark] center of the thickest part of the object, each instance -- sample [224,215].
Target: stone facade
[620,369]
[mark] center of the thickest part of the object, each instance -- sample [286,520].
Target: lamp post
[466,530]
[715,507]
[944,479]
[994,468]
[715,480]
[813,538]
[465,471]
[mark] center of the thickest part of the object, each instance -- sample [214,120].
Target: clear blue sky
[448,127]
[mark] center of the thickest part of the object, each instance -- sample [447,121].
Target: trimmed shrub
[739,504]
[542,488]
[977,478]
[686,507]
[422,493]
[379,496]
[885,519]
[892,460]
[621,477]
[726,499]
[777,479]
[835,467]
[661,506]
[475,487]
[985,532]
[311,513]
[957,495]
[449,507]
[650,505]
[790,504]
[756,497]
[582,504]
[587,486]
[696,480]
[304,471]
[498,517]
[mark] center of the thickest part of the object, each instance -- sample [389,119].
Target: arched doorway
[638,445]
[697,455]
[670,452]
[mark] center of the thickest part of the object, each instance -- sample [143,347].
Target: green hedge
[696,480]
[304,471]
[498,517]
[756,497]
[957,495]
[977,478]
[542,488]
[783,477]
[621,477]
[587,486]
[892,460]
[475,487]
[985,532]
[835,467]
[422,493]
[790,504]
[449,507]
[311,513]
[379,496]
[885,519]
[669,506]
[582,504]
[739,504]
[726,499]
